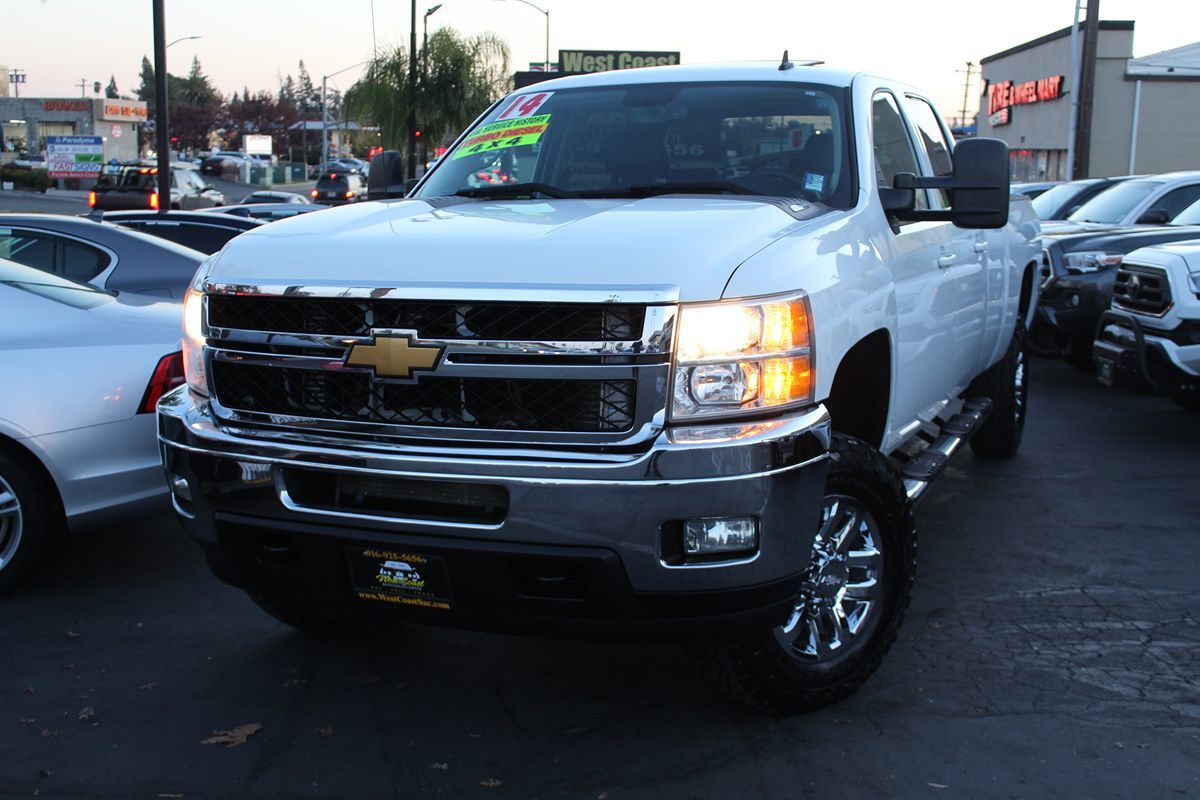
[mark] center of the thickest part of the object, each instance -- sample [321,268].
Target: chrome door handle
[946,260]
[980,245]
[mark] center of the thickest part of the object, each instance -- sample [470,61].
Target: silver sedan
[83,370]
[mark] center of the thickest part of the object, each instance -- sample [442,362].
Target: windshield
[1189,216]
[332,182]
[1054,198]
[767,139]
[1113,205]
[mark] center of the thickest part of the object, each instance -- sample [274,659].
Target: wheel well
[861,392]
[1027,291]
[20,451]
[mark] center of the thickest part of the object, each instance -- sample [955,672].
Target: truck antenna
[785,64]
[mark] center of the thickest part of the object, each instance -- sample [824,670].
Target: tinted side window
[207,239]
[1178,199]
[893,148]
[31,249]
[932,139]
[79,261]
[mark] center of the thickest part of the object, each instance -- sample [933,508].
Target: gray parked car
[83,370]
[99,253]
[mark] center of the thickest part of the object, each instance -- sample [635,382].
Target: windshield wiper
[516,190]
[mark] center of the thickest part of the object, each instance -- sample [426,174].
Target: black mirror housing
[386,178]
[979,189]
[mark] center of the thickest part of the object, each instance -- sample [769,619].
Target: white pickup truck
[1152,332]
[668,351]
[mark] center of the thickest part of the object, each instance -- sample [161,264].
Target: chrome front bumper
[559,501]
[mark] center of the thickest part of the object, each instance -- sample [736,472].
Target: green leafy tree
[111,91]
[457,78]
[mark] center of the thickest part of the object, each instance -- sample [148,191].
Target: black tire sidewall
[42,520]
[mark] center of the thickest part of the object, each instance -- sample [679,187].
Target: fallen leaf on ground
[939,785]
[30,690]
[490,783]
[73,634]
[325,731]
[145,687]
[28,720]
[46,773]
[48,732]
[87,712]
[439,765]
[1143,745]
[1119,745]
[235,737]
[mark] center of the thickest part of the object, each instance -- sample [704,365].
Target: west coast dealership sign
[605,60]
[1006,94]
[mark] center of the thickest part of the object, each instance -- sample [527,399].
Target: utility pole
[160,110]
[1087,90]
[966,91]
[83,87]
[1074,124]
[412,83]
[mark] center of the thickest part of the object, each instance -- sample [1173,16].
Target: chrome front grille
[1142,289]
[557,371]
[433,318]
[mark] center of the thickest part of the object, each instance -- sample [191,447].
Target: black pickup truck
[129,187]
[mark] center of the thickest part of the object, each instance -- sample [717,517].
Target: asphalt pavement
[54,201]
[1051,650]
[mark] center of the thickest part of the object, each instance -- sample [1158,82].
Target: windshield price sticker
[502,135]
[525,105]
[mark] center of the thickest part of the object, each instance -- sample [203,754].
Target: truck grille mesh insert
[504,404]
[1143,289]
[438,319]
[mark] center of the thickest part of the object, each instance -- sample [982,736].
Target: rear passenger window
[893,148]
[31,249]
[932,139]
[80,262]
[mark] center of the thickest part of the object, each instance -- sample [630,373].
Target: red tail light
[349,195]
[154,201]
[167,375]
[91,199]
[313,192]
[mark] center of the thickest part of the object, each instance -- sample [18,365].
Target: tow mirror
[979,188]
[386,177]
[1155,216]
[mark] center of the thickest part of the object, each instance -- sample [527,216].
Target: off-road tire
[297,611]
[756,670]
[42,520]
[1006,384]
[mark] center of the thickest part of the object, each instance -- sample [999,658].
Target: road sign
[257,144]
[74,156]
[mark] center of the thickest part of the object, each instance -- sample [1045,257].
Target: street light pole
[325,110]
[546,11]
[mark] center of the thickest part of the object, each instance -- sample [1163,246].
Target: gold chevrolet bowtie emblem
[394,356]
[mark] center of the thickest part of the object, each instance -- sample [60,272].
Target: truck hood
[673,247]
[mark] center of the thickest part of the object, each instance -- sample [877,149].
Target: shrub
[32,180]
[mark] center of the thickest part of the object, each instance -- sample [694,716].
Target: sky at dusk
[251,44]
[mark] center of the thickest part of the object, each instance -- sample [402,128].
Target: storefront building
[1143,110]
[27,121]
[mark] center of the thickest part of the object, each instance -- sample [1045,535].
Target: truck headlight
[733,357]
[1091,261]
[195,327]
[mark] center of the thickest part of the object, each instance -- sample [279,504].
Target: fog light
[181,489]
[719,535]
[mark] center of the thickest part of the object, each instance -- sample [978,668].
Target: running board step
[920,470]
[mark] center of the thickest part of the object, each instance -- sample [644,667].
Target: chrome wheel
[11,520]
[1019,388]
[839,601]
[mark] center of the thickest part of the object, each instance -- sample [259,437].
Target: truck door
[968,265]
[919,254]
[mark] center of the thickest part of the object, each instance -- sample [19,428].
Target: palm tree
[457,79]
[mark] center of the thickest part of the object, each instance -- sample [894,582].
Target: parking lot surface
[1051,650]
